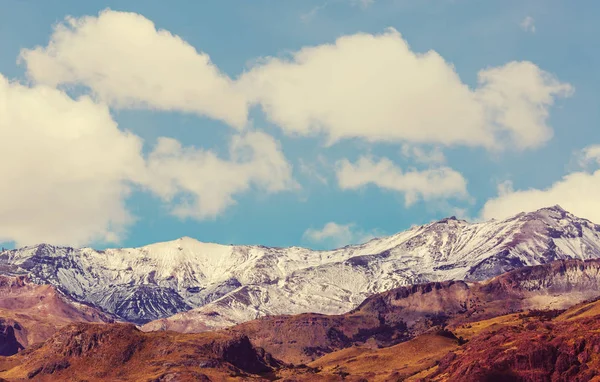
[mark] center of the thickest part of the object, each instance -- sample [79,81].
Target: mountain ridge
[228,284]
[399,314]
[404,333]
[31,313]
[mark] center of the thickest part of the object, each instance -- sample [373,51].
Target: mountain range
[197,286]
[444,331]
[445,301]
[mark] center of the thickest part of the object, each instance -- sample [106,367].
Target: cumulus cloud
[376,88]
[201,185]
[372,87]
[576,192]
[430,184]
[365,86]
[338,234]
[125,61]
[68,170]
[528,24]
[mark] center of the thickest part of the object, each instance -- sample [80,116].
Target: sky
[291,123]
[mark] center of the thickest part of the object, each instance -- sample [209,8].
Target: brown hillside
[111,352]
[34,312]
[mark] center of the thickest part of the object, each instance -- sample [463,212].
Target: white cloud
[528,24]
[589,155]
[338,234]
[128,63]
[438,183]
[576,192]
[66,168]
[505,188]
[372,87]
[206,184]
[422,155]
[376,88]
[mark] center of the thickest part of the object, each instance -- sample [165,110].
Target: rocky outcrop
[538,351]
[101,352]
[9,341]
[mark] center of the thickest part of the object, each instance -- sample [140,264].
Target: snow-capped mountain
[225,284]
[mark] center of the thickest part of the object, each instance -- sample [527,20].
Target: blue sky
[290,183]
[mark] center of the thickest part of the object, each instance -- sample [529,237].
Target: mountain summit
[225,284]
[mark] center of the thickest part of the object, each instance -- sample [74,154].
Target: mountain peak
[162,278]
[553,212]
[449,219]
[187,239]
[555,208]
[452,220]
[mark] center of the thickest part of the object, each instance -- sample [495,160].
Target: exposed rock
[215,286]
[101,352]
[9,343]
[551,351]
[395,316]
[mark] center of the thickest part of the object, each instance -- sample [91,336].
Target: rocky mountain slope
[547,350]
[120,352]
[437,331]
[400,314]
[394,363]
[31,313]
[223,285]
[531,346]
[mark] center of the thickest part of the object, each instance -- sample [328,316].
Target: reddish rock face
[538,347]
[537,351]
[32,313]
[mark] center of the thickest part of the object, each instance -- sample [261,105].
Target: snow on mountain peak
[244,282]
